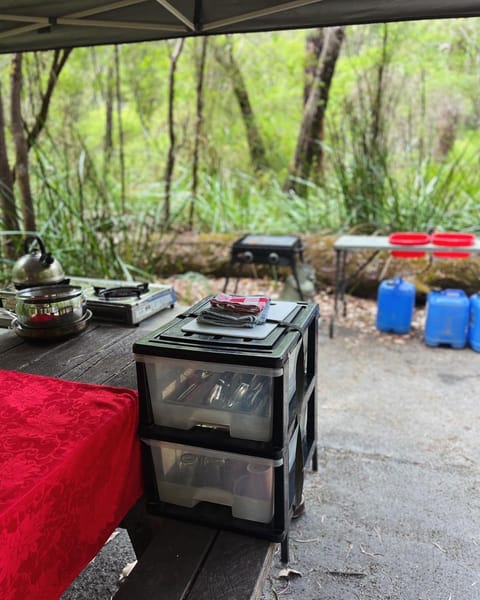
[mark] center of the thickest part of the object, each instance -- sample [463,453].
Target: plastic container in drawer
[188,475]
[184,394]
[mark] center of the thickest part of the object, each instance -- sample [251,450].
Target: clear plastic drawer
[187,475]
[185,394]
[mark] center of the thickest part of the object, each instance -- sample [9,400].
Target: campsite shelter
[31,25]
[38,25]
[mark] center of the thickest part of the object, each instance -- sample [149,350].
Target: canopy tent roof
[42,25]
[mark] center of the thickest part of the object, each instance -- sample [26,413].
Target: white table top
[373,242]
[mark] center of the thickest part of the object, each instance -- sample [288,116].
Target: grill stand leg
[284,550]
[297,281]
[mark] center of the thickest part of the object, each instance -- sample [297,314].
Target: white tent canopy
[41,25]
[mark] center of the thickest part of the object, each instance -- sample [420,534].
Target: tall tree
[308,151]
[59,60]
[22,174]
[258,155]
[177,51]
[446,131]
[361,144]
[24,138]
[200,68]
[121,144]
[313,50]
[7,198]
[108,140]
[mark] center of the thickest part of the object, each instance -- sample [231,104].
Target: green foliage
[380,169]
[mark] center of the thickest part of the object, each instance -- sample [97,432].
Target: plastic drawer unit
[235,491]
[230,389]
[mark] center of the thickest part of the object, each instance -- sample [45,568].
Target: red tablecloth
[69,472]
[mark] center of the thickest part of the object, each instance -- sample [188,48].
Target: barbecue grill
[273,250]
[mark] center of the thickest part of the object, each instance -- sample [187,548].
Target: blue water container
[447,318]
[395,303]
[474,325]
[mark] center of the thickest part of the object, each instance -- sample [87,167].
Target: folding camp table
[347,244]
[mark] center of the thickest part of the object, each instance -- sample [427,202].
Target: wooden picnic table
[176,559]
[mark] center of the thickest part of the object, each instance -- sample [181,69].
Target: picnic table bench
[176,560]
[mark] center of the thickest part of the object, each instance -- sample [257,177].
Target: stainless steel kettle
[36,267]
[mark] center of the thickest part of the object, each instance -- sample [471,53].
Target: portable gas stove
[111,300]
[125,301]
[273,250]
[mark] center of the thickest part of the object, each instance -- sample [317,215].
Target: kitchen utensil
[48,307]
[51,334]
[36,267]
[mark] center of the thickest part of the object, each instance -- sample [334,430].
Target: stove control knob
[246,257]
[273,258]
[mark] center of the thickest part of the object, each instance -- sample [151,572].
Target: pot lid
[49,293]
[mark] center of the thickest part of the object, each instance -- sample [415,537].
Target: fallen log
[209,254]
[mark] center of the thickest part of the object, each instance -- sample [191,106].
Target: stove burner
[121,292]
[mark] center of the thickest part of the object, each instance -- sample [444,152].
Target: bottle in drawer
[188,475]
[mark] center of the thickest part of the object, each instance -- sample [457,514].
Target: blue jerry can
[474,326]
[447,317]
[395,304]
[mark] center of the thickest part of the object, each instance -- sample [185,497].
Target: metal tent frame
[27,25]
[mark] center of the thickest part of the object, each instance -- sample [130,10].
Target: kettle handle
[45,257]
[28,242]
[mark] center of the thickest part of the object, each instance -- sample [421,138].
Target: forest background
[109,152]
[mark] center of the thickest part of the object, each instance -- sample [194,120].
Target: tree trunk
[171,129]
[308,149]
[198,128]
[7,198]
[258,154]
[121,149]
[446,132]
[108,140]
[313,50]
[59,59]
[22,175]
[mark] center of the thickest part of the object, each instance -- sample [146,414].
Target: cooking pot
[53,306]
[36,267]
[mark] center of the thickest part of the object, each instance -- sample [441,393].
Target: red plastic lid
[451,254]
[405,254]
[453,239]
[408,238]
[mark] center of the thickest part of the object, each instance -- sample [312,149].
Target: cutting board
[278,311]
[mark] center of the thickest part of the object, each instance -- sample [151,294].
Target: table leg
[315,459]
[227,278]
[343,279]
[336,291]
[239,274]
[230,273]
